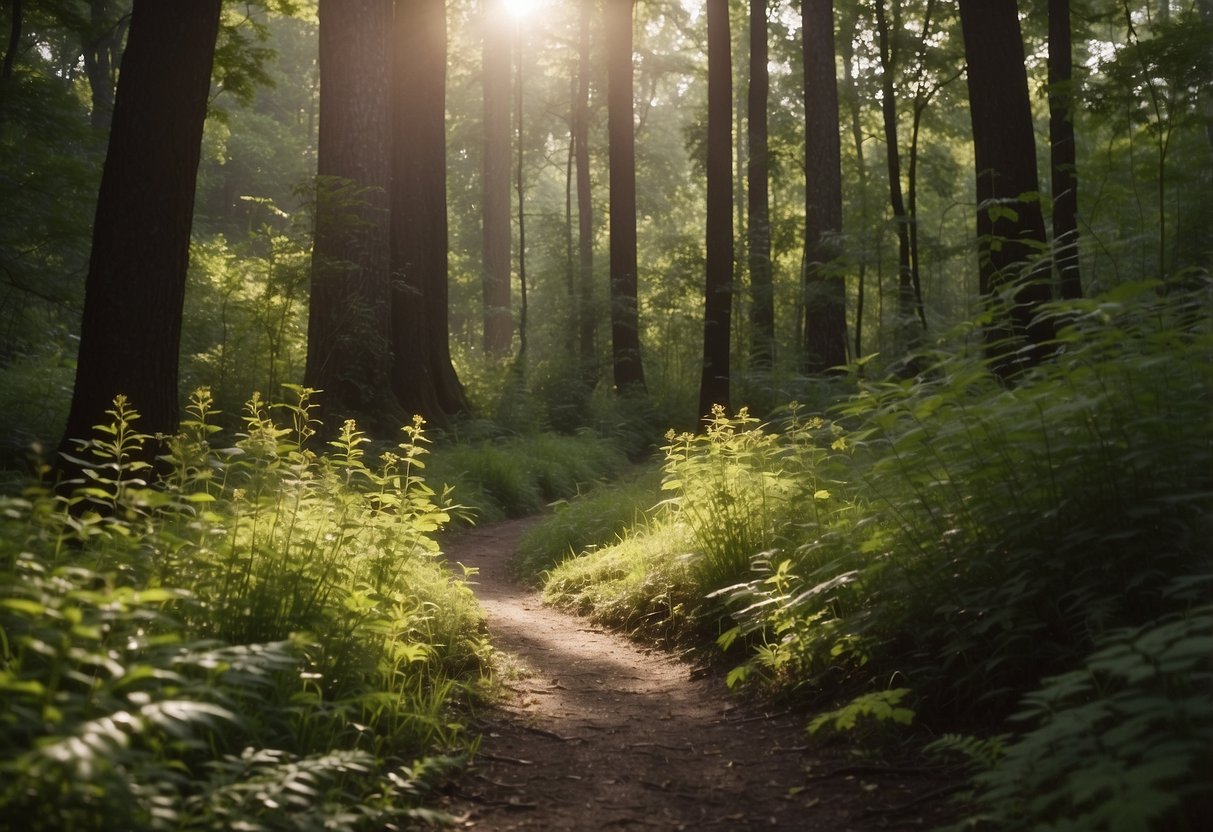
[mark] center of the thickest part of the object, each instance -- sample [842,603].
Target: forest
[858,353]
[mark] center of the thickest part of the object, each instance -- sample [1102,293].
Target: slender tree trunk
[848,56]
[14,39]
[825,331]
[423,379]
[1010,229]
[101,50]
[921,100]
[1063,158]
[495,207]
[762,290]
[625,322]
[349,322]
[718,286]
[888,107]
[519,185]
[131,328]
[585,209]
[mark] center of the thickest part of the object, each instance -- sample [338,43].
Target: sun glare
[518,9]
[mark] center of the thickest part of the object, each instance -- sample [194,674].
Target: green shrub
[259,641]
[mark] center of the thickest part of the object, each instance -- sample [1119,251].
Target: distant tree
[762,290]
[1063,159]
[625,320]
[423,378]
[1010,225]
[495,203]
[718,285]
[584,292]
[349,324]
[131,327]
[825,323]
[901,219]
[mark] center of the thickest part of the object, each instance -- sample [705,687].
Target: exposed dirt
[603,734]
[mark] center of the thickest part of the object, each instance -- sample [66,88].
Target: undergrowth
[952,550]
[265,638]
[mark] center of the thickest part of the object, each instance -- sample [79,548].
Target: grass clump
[264,639]
[587,521]
[519,476]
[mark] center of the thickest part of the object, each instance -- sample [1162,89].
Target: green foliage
[519,476]
[264,640]
[1125,742]
[596,518]
[969,539]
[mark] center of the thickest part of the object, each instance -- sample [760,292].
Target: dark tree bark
[625,319]
[762,291]
[520,189]
[349,325]
[131,328]
[423,378]
[888,109]
[14,39]
[847,49]
[1010,225]
[495,207]
[585,206]
[825,324]
[1063,159]
[718,285]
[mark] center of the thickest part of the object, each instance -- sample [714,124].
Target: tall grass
[266,639]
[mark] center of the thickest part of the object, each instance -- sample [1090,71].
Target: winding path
[601,734]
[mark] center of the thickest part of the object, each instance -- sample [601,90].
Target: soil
[600,733]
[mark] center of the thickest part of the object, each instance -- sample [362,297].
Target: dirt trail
[603,734]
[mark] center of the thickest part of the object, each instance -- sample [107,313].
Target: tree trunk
[101,49]
[519,185]
[585,210]
[625,320]
[1063,159]
[888,107]
[718,286]
[14,40]
[825,330]
[130,332]
[495,208]
[847,49]
[1010,225]
[349,324]
[762,290]
[423,378]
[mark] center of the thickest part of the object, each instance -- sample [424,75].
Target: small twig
[942,791]
[847,771]
[545,733]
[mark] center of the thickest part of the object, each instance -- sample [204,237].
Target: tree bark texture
[825,323]
[1010,225]
[1063,156]
[718,285]
[625,318]
[131,327]
[349,351]
[495,207]
[423,378]
[762,292]
[585,206]
[888,110]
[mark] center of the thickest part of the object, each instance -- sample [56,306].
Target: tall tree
[131,327]
[585,207]
[825,322]
[888,109]
[423,377]
[762,290]
[495,203]
[718,285]
[349,323]
[621,135]
[1010,224]
[1063,160]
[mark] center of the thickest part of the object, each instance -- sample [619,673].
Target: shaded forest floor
[600,733]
